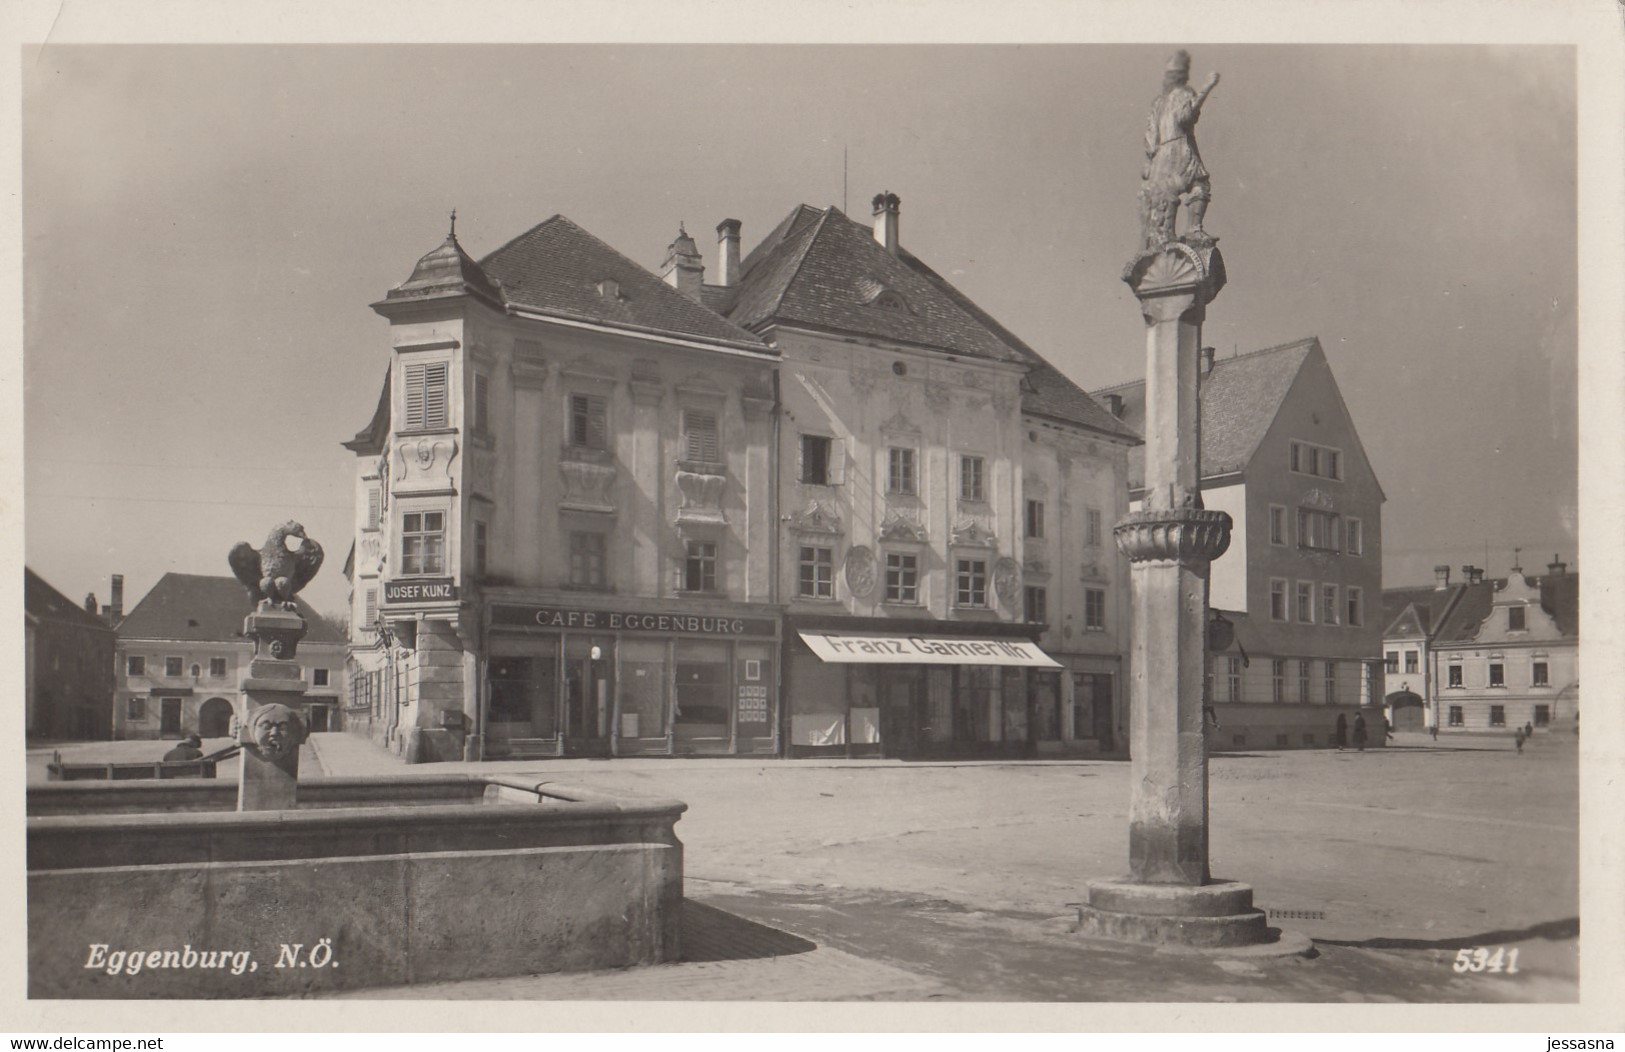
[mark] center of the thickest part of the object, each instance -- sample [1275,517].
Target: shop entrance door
[589,693]
[899,719]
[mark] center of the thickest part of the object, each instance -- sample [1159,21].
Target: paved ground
[833,880]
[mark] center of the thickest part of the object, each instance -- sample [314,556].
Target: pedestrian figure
[1517,739]
[1528,732]
[1341,735]
[1433,729]
[1359,732]
[1387,730]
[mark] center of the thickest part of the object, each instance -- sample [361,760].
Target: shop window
[217,667]
[645,679]
[1278,681]
[135,708]
[1411,658]
[754,715]
[425,396]
[1515,619]
[700,567]
[423,543]
[817,573]
[523,698]
[971,582]
[1092,707]
[589,422]
[1543,716]
[972,702]
[1454,674]
[1035,518]
[902,577]
[1037,605]
[1498,715]
[587,559]
[1304,673]
[702,690]
[174,666]
[135,666]
[1538,673]
[1094,609]
[1091,527]
[972,478]
[901,476]
[700,436]
[1498,674]
[1278,525]
[1306,602]
[1455,717]
[815,458]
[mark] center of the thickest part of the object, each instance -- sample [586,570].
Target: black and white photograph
[939,509]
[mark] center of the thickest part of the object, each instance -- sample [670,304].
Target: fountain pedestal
[271,729]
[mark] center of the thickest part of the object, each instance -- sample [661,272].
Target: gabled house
[950,581]
[181,656]
[67,665]
[1412,619]
[1508,654]
[1302,579]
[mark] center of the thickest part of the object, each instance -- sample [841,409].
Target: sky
[205,226]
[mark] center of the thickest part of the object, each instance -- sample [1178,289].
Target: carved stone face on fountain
[275,731]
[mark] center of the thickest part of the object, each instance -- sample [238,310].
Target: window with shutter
[371,608]
[700,436]
[589,422]
[482,403]
[373,500]
[425,396]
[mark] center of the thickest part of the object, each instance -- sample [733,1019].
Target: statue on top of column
[1173,172]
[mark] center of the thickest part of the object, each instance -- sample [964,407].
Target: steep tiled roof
[1477,600]
[1415,611]
[204,609]
[558,268]
[369,441]
[1240,397]
[446,271]
[831,275]
[42,601]
[1560,597]
[822,270]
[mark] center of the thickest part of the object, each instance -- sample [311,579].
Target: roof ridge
[1304,342]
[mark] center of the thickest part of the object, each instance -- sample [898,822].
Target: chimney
[115,599]
[728,253]
[886,207]
[1473,574]
[683,270]
[90,602]
[1555,568]
[1114,402]
[1441,577]
[1207,360]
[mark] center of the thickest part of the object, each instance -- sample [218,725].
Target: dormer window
[1515,619]
[889,300]
[877,295]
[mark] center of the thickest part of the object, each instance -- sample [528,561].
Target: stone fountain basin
[411,879]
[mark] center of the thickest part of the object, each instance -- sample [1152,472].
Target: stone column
[1169,896]
[270,728]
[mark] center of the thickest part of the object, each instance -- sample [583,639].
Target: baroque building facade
[824,503]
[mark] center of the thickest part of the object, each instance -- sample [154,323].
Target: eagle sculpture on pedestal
[275,573]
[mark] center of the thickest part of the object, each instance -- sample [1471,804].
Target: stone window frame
[972,586]
[1278,525]
[135,709]
[1305,605]
[321,677]
[174,667]
[599,558]
[1092,531]
[587,421]
[692,567]
[217,668]
[972,493]
[1094,620]
[831,475]
[913,587]
[1456,716]
[1522,619]
[422,509]
[135,665]
[701,445]
[1540,674]
[1413,662]
[1279,589]
[815,576]
[902,471]
[1034,520]
[1454,677]
[1498,716]
[1035,604]
[1497,675]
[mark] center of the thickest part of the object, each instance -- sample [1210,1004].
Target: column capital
[1186,535]
[1176,276]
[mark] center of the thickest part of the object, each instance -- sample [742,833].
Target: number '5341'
[1482,959]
